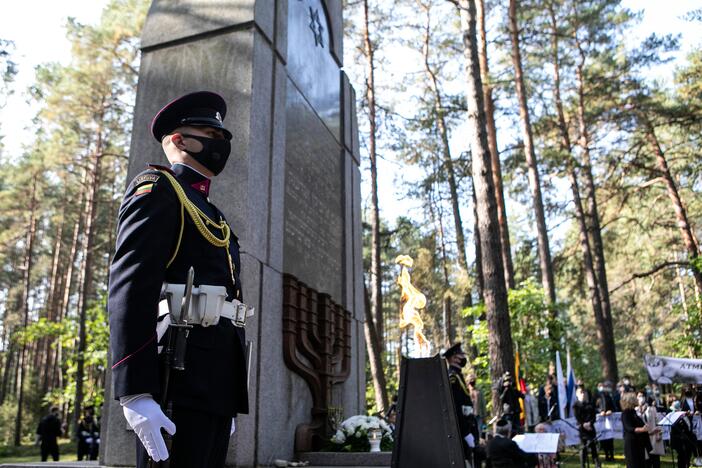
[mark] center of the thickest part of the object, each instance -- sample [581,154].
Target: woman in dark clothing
[585,414]
[636,441]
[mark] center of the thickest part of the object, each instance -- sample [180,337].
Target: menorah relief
[316,346]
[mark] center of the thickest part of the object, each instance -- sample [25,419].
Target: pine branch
[650,272]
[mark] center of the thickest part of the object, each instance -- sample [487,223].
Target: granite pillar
[291,189]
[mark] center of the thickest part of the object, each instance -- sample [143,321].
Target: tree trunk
[492,143]
[478,250]
[86,281]
[607,355]
[7,372]
[439,112]
[375,358]
[26,283]
[500,346]
[686,231]
[594,230]
[50,307]
[446,311]
[376,273]
[545,264]
[68,279]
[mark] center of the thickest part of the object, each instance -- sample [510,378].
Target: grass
[30,453]
[571,458]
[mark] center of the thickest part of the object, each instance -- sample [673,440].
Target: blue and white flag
[570,386]
[560,381]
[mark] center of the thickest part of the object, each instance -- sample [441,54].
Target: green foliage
[531,319]
[82,137]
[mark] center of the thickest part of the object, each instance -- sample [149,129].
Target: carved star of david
[316,27]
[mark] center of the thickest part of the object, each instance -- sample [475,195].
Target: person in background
[391,413]
[647,411]
[656,398]
[585,415]
[687,399]
[476,395]
[550,460]
[509,402]
[682,439]
[617,396]
[502,452]
[636,441]
[48,431]
[88,436]
[605,407]
[627,385]
[548,404]
[531,407]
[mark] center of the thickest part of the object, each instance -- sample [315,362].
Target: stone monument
[291,191]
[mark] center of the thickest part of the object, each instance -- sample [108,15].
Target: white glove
[144,415]
[233,429]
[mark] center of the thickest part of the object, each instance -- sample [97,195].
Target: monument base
[58,464]
[347,459]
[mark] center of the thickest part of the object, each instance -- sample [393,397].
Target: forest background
[590,244]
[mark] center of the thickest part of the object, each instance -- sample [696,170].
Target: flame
[411,301]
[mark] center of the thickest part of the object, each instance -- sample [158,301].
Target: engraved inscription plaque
[311,65]
[314,204]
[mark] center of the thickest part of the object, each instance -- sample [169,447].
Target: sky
[37,28]
[40,38]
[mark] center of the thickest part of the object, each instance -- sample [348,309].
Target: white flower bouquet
[353,434]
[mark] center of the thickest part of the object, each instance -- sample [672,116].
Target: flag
[570,387]
[561,386]
[521,386]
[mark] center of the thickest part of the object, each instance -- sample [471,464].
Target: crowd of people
[535,410]
[50,428]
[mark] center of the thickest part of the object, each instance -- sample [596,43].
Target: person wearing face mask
[687,399]
[167,224]
[637,445]
[463,403]
[585,415]
[605,407]
[647,411]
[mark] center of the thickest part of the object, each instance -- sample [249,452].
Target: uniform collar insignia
[203,187]
[193,178]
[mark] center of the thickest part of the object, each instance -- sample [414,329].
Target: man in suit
[167,225]
[503,452]
[605,407]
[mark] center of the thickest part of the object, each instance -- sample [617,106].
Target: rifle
[174,352]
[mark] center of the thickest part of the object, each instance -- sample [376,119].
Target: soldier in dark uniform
[167,225]
[465,412]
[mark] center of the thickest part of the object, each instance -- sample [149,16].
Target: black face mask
[214,152]
[462,362]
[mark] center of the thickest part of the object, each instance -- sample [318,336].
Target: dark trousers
[607,447]
[201,440]
[684,457]
[49,447]
[591,445]
[654,461]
